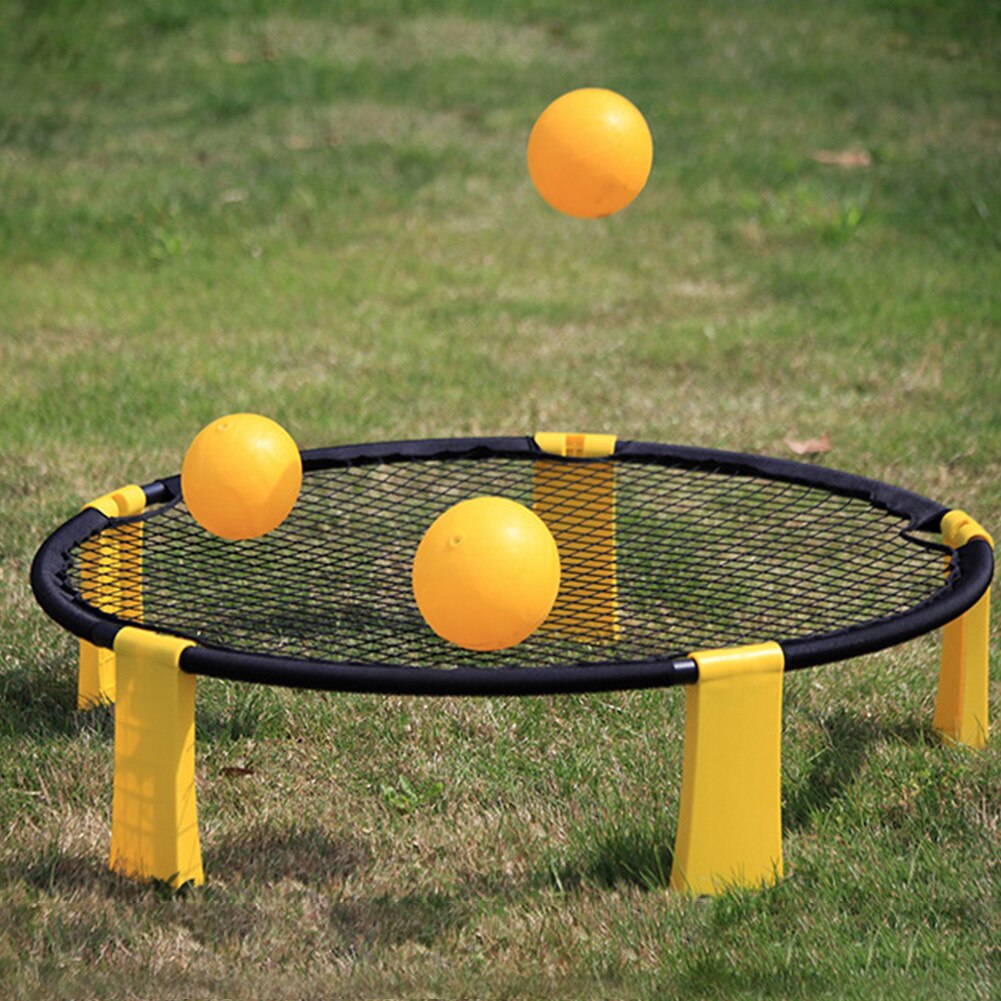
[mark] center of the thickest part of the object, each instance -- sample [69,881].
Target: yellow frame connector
[104,565]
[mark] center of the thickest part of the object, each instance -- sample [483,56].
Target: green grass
[321,212]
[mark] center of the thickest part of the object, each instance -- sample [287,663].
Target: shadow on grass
[54,872]
[309,855]
[286,861]
[716,976]
[39,703]
[630,857]
[424,918]
[850,741]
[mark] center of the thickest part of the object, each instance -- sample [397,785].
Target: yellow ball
[590,153]
[486,573]
[241,476]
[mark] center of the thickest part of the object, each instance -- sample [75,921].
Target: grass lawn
[321,212]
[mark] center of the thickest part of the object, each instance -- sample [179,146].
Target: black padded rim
[48,577]
[397,680]
[975,563]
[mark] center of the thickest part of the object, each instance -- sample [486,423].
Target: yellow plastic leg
[110,572]
[577,503]
[730,821]
[961,703]
[154,822]
[96,678]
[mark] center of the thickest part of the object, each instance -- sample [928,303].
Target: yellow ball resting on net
[486,573]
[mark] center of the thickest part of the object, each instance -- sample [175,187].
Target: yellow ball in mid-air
[241,476]
[486,573]
[590,153]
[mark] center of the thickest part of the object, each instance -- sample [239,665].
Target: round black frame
[973,567]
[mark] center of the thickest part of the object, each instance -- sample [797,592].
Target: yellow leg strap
[730,820]
[154,823]
[577,503]
[961,703]
[110,577]
[111,580]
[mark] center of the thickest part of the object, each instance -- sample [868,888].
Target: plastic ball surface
[590,153]
[486,573]
[241,476]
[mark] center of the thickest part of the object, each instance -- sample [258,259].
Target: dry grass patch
[400,42]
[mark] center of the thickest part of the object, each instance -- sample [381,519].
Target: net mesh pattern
[657,561]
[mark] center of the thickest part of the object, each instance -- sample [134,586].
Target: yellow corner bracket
[154,816]
[730,818]
[104,565]
[576,446]
[577,503]
[121,503]
[961,703]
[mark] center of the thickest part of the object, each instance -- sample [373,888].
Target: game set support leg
[96,676]
[730,818]
[107,563]
[154,822]
[582,520]
[961,703]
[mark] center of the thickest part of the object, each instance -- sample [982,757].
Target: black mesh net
[657,561]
